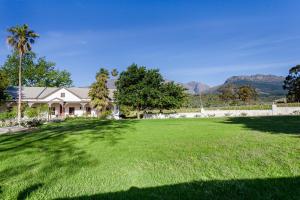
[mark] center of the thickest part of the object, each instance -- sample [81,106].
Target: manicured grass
[234,158]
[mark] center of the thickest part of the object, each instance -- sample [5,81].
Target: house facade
[62,102]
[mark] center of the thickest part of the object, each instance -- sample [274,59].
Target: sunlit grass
[154,159]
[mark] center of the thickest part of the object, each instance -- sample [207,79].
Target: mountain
[194,87]
[266,85]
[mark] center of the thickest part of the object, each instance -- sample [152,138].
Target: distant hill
[266,85]
[194,87]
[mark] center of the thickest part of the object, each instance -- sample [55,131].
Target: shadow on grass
[277,188]
[55,146]
[274,124]
[26,192]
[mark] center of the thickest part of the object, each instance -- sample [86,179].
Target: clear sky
[203,40]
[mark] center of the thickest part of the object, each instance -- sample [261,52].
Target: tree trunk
[20,89]
[137,113]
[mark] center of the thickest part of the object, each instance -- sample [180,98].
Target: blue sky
[204,40]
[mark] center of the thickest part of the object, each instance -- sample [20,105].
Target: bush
[105,114]
[31,112]
[32,123]
[9,114]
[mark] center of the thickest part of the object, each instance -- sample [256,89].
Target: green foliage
[31,112]
[37,111]
[246,94]
[145,89]
[172,96]
[3,86]
[10,114]
[138,87]
[126,111]
[228,93]
[99,92]
[37,72]
[21,38]
[206,100]
[114,72]
[232,94]
[292,84]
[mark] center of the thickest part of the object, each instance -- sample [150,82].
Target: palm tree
[20,39]
[114,72]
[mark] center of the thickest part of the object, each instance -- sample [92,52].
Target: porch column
[83,108]
[30,104]
[62,109]
[49,110]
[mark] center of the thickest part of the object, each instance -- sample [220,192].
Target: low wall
[229,113]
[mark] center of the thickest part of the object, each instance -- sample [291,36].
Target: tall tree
[246,94]
[36,72]
[138,87]
[227,93]
[20,39]
[99,92]
[3,86]
[292,84]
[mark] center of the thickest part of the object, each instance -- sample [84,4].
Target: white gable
[63,94]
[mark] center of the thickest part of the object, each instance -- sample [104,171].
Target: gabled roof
[43,92]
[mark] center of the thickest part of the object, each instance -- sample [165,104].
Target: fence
[275,110]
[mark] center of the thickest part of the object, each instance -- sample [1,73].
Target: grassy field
[234,158]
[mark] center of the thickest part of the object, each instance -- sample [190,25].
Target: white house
[62,102]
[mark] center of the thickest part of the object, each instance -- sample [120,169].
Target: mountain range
[266,85]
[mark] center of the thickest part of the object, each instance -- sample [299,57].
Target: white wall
[229,113]
[69,97]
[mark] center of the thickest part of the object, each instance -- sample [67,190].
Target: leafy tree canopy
[246,93]
[227,93]
[145,89]
[36,71]
[3,86]
[292,84]
[99,92]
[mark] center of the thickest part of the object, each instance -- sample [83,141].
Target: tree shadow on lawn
[55,146]
[269,188]
[271,124]
[27,191]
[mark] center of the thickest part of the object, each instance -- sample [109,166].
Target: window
[52,110]
[71,111]
[62,94]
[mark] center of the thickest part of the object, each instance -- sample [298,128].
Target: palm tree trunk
[20,89]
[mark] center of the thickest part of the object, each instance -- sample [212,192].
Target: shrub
[32,123]
[31,112]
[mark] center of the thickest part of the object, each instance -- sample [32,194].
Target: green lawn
[234,158]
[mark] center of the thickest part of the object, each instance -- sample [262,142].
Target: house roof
[42,92]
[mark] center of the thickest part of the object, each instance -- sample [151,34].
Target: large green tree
[36,71]
[99,92]
[138,87]
[227,93]
[246,94]
[20,39]
[172,96]
[292,84]
[145,89]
